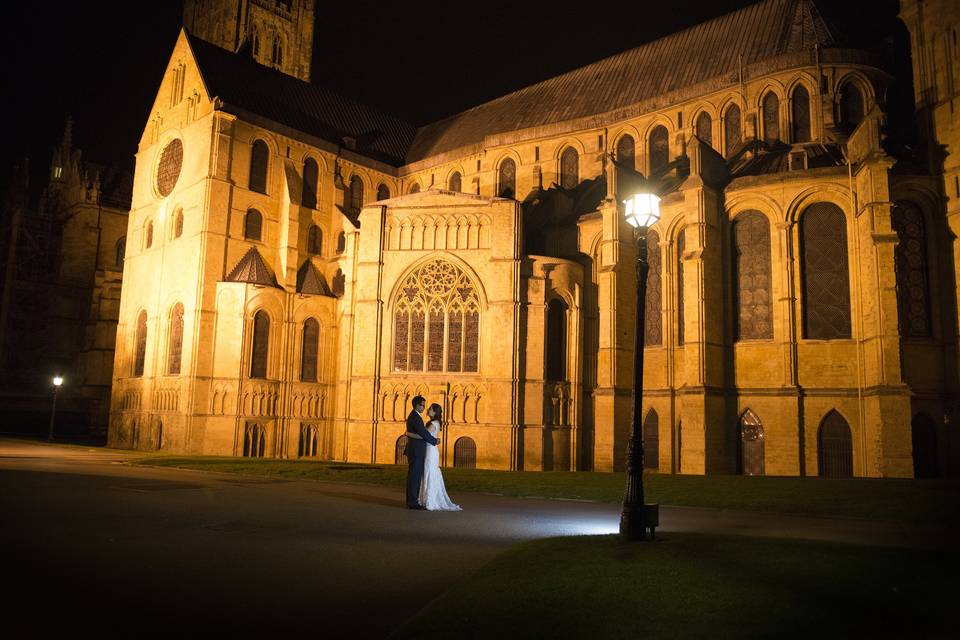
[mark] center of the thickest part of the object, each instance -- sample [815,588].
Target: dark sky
[102,61]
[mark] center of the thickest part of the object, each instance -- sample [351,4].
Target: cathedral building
[299,266]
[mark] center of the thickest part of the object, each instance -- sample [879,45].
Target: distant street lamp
[642,211]
[57,381]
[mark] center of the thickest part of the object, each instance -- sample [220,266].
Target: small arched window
[140,346]
[731,130]
[465,453]
[148,239]
[751,458]
[626,151]
[311,175]
[276,56]
[659,149]
[121,252]
[259,157]
[383,192]
[569,168]
[835,447]
[253,225]
[414,188]
[356,195]
[771,118]
[314,240]
[341,242]
[556,340]
[455,181]
[261,339]
[825,280]
[311,346]
[178,224]
[507,179]
[176,340]
[651,441]
[800,115]
[705,127]
[400,453]
[851,107]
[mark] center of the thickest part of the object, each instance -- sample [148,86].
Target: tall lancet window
[176,340]
[261,340]
[800,115]
[659,149]
[910,263]
[626,152]
[705,127]
[569,168]
[507,179]
[140,346]
[771,118]
[309,351]
[436,321]
[731,130]
[751,276]
[652,315]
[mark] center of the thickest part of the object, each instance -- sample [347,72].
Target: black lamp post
[642,211]
[57,381]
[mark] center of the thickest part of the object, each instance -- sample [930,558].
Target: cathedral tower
[278,33]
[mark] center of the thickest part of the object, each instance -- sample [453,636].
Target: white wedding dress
[433,493]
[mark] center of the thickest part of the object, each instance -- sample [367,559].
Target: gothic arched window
[659,149]
[705,127]
[651,441]
[311,175]
[400,451]
[175,354]
[356,195]
[455,182]
[771,118]
[569,168]
[910,263]
[826,281]
[507,179]
[383,192]
[414,188]
[276,56]
[652,314]
[751,277]
[751,444]
[140,346]
[253,225]
[261,339]
[465,453]
[178,224]
[314,240]
[121,251]
[556,340]
[259,156]
[436,298]
[627,151]
[731,130]
[800,115]
[835,447]
[255,42]
[681,247]
[851,107]
[310,349]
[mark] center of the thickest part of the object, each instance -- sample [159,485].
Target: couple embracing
[425,489]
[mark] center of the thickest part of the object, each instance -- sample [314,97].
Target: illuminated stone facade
[294,281]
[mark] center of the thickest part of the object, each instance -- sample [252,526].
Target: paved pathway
[94,543]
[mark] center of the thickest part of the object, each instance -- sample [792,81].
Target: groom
[416,452]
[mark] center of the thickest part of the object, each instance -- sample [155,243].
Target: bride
[433,494]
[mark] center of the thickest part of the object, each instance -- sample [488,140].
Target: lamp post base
[635,522]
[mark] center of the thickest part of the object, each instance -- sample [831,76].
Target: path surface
[96,544]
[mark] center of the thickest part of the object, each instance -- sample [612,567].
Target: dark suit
[416,453]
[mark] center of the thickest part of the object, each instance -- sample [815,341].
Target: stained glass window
[751,276]
[626,152]
[168,169]
[140,354]
[569,168]
[507,179]
[800,115]
[731,130]
[826,281]
[311,347]
[653,318]
[910,260]
[681,245]
[176,340]
[705,127]
[453,320]
[659,148]
[261,338]
[771,118]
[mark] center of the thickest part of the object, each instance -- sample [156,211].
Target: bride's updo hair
[437,413]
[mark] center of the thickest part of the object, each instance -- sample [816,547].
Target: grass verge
[921,502]
[697,586]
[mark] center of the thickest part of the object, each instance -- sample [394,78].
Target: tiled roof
[242,83]
[253,270]
[311,282]
[700,53]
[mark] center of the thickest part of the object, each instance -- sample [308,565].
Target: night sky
[103,61]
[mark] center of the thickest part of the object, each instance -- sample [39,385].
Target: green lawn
[698,586]
[925,502]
